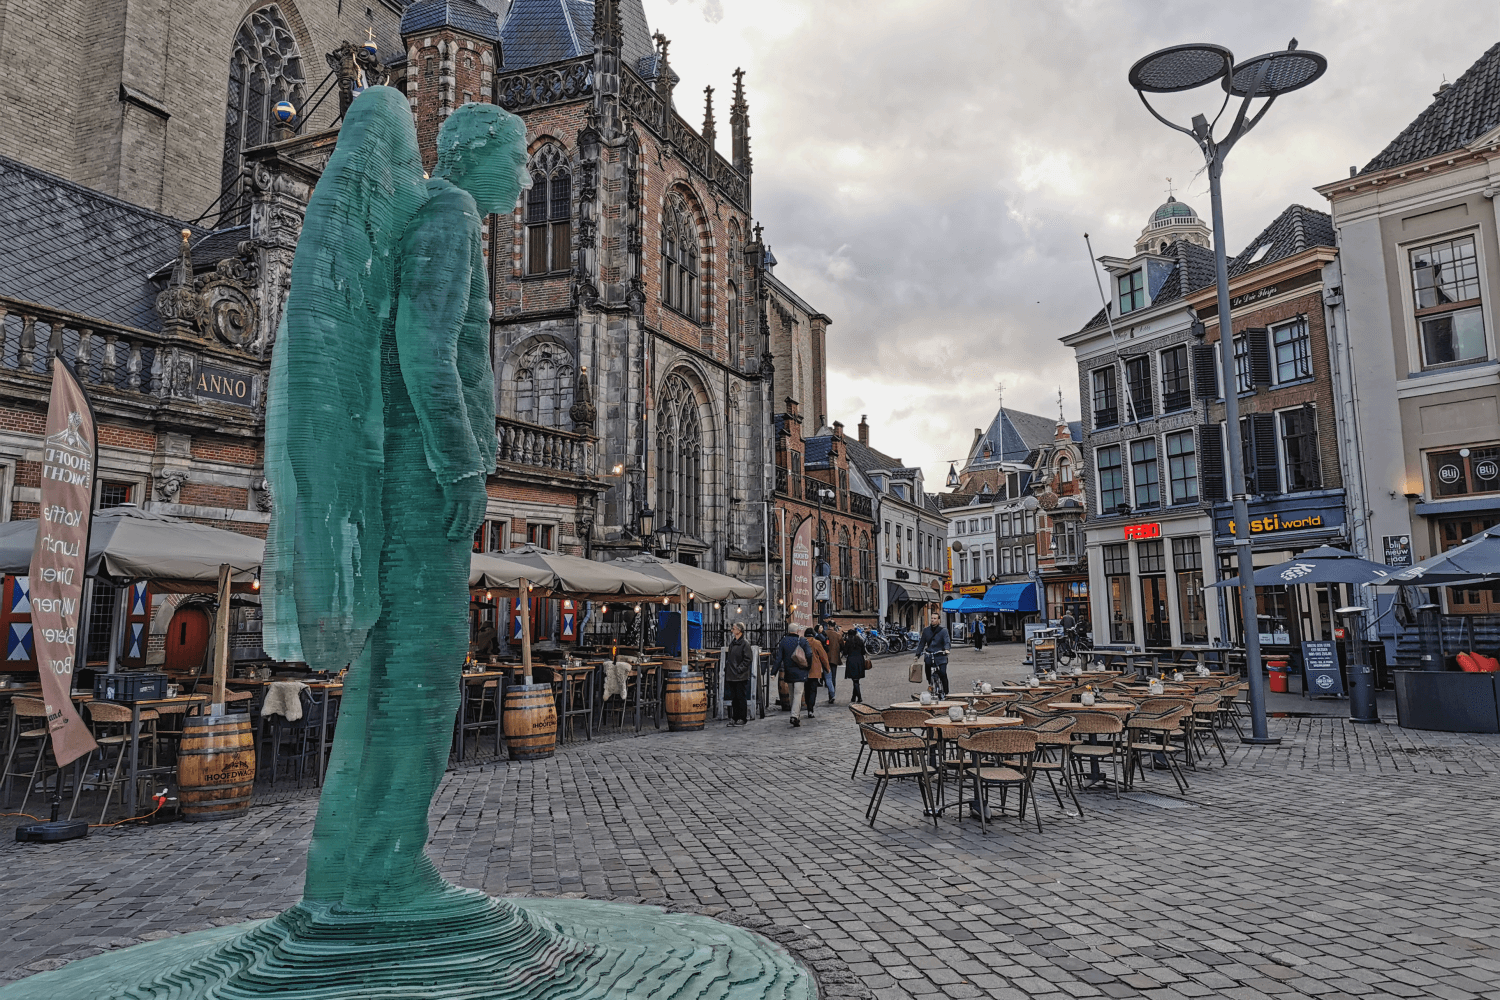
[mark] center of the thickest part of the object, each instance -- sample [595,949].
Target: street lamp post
[821,546]
[1187,67]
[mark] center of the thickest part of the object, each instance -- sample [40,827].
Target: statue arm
[434,302]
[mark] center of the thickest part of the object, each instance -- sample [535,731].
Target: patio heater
[1187,67]
[1362,706]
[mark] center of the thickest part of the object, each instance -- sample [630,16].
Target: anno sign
[222,385]
[1273,523]
[1137,531]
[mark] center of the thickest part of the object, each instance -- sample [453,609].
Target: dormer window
[1132,292]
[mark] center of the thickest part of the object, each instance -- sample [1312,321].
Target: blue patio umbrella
[1324,564]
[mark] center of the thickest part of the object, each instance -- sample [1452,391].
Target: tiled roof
[465,15]
[70,247]
[1456,117]
[931,503]
[815,450]
[867,459]
[544,31]
[1194,269]
[947,501]
[206,252]
[1291,232]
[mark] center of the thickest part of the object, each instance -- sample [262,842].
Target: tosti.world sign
[1272,523]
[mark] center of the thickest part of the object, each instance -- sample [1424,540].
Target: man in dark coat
[784,662]
[737,676]
[933,648]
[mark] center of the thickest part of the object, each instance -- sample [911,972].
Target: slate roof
[207,251]
[544,31]
[465,15]
[815,450]
[1293,231]
[1456,117]
[70,247]
[867,459]
[1194,269]
[1012,436]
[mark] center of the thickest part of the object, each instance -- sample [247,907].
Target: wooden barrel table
[687,701]
[215,767]
[529,721]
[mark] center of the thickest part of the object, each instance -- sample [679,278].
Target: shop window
[1144,473]
[1299,448]
[1111,478]
[1182,467]
[1445,283]
[1150,558]
[1468,600]
[1187,562]
[1117,559]
[1117,577]
[1176,392]
[1293,350]
[1106,403]
[1465,471]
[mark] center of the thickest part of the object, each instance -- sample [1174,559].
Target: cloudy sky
[926,169]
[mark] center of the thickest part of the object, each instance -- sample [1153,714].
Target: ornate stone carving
[179,304]
[263,496]
[1048,500]
[582,411]
[546,85]
[228,300]
[357,67]
[169,484]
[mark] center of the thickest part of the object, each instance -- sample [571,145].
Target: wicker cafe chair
[1000,758]
[864,715]
[901,757]
[1054,752]
[28,734]
[1094,726]
[111,725]
[1151,733]
[1184,730]
[1205,724]
[911,720]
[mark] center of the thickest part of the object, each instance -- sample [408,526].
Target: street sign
[1320,669]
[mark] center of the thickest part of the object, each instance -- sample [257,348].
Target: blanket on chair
[284,698]
[615,675]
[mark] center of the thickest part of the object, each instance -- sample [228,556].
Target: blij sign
[60,557]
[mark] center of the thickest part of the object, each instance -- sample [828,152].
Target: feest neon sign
[1138,531]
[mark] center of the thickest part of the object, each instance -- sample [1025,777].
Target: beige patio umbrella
[690,581]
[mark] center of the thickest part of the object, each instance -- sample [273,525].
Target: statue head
[482,149]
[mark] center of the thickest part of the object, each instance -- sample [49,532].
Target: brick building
[632,343]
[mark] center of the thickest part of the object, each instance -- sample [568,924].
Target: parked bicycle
[875,644]
[1072,643]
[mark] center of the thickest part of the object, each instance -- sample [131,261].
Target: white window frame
[552,529]
[1306,323]
[138,493]
[1283,469]
[1139,272]
[1414,360]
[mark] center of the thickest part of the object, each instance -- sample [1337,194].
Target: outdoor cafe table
[1118,707]
[935,705]
[501,675]
[947,729]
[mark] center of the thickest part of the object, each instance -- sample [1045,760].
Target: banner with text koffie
[61,554]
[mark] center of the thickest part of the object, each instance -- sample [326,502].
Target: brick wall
[115,436]
[209,495]
[229,451]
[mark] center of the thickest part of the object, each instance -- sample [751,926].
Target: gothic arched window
[549,213]
[846,570]
[264,69]
[544,386]
[679,259]
[679,457]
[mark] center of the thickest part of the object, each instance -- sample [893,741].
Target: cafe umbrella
[691,581]
[1324,564]
[1477,560]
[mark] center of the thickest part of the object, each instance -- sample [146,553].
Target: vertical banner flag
[58,563]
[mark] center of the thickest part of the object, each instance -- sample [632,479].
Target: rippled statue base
[380,431]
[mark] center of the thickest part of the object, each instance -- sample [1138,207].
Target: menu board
[1043,656]
[1320,669]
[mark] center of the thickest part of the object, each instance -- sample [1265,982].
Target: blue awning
[964,605]
[1019,597]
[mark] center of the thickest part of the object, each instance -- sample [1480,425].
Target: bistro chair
[1151,734]
[901,757]
[111,727]
[910,720]
[1103,732]
[1054,752]
[864,715]
[28,735]
[1004,759]
[1205,724]
[1184,730]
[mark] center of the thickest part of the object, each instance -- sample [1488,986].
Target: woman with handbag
[791,661]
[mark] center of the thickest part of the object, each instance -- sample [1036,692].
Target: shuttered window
[1205,372]
[1211,479]
[1299,447]
[1175,393]
[1259,448]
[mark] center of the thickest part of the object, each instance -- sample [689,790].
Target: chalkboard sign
[1320,669]
[1043,656]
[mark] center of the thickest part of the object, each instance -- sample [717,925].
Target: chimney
[838,429]
[864,430]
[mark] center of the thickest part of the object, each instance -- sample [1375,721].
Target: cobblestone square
[1346,862]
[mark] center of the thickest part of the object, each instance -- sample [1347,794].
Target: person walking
[833,644]
[854,664]
[792,660]
[815,673]
[933,647]
[979,634]
[737,676]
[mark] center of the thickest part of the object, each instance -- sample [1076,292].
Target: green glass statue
[380,431]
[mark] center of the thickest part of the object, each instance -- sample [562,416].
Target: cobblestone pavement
[1348,861]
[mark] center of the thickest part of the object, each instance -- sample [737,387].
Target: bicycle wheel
[874,644]
[1065,652]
